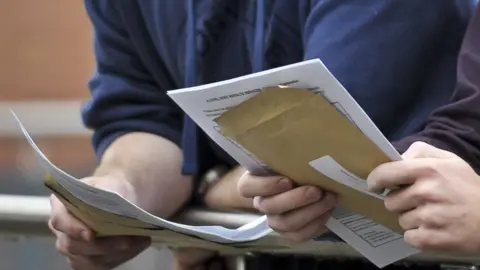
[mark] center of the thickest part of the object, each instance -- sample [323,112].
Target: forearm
[152,165]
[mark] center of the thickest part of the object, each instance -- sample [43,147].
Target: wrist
[206,181]
[222,194]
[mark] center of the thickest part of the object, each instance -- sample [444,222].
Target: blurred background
[45,62]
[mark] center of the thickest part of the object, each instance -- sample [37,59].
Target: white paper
[377,243]
[330,168]
[206,102]
[114,203]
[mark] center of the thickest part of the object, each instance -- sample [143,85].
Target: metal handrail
[22,216]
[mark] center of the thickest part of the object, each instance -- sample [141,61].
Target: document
[205,103]
[374,241]
[299,121]
[113,203]
[329,167]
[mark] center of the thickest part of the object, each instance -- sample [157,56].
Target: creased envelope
[288,127]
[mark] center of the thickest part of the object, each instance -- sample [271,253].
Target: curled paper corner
[16,118]
[13,113]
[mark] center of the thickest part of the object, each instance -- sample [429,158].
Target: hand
[194,259]
[438,204]
[298,213]
[77,241]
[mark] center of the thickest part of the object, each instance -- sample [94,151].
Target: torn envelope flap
[289,114]
[270,108]
[329,167]
[287,128]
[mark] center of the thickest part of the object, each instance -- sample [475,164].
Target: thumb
[112,183]
[424,150]
[251,186]
[62,221]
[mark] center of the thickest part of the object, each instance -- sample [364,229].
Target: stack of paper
[300,122]
[109,213]
[297,121]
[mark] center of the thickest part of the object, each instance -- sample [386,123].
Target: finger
[426,216]
[401,200]
[414,196]
[310,231]
[289,200]
[397,174]
[429,239]
[297,219]
[100,246]
[424,150]
[61,220]
[52,229]
[250,186]
[409,220]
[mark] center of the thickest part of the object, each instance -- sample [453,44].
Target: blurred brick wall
[45,54]
[45,50]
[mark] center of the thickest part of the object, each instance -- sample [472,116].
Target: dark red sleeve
[456,126]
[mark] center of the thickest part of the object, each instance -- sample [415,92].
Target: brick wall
[46,55]
[45,50]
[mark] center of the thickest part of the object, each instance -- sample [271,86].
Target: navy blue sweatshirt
[395,57]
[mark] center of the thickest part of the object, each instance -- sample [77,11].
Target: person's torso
[225,44]
[225,33]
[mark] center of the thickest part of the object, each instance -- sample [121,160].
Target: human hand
[298,213]
[438,202]
[77,241]
[195,259]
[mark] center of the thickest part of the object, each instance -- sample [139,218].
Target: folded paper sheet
[319,136]
[110,214]
[287,128]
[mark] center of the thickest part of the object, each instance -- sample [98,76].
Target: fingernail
[284,182]
[86,235]
[256,202]
[314,193]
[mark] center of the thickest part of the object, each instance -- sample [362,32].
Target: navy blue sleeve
[124,96]
[380,50]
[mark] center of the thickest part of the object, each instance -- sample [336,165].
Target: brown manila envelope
[287,128]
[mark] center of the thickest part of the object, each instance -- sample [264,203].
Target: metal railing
[23,216]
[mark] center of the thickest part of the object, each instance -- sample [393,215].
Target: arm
[137,128]
[157,183]
[456,126]
[223,195]
[381,50]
